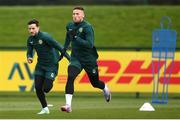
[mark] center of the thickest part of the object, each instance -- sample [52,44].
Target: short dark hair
[33,21]
[78,8]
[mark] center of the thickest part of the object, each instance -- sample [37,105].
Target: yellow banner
[123,71]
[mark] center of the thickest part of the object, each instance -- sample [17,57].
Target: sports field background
[115,26]
[86,106]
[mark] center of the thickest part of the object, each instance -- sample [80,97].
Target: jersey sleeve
[67,39]
[89,38]
[52,42]
[30,51]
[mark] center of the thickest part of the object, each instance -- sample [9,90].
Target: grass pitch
[25,105]
[114,26]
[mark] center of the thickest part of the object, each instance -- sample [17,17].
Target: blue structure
[163,49]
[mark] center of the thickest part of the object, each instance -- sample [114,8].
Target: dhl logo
[110,69]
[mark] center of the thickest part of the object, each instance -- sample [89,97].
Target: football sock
[68,99]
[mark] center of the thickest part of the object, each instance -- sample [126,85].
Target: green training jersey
[46,47]
[83,44]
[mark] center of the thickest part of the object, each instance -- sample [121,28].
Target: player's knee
[71,78]
[94,79]
[47,89]
[48,85]
[73,71]
[38,82]
[95,84]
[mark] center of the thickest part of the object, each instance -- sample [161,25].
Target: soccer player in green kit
[48,57]
[83,56]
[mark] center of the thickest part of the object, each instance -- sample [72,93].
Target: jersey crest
[80,29]
[40,42]
[94,71]
[52,75]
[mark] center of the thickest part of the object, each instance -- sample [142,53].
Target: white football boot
[107,94]
[44,111]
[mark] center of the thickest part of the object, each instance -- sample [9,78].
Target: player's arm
[30,52]
[66,45]
[57,46]
[67,39]
[89,38]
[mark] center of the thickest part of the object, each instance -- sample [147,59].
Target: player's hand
[73,33]
[29,60]
[61,57]
[63,51]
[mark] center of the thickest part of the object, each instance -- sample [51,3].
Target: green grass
[115,26]
[14,105]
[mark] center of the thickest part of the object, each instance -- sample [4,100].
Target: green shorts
[47,72]
[89,67]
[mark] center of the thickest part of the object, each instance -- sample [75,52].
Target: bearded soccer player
[47,63]
[83,56]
